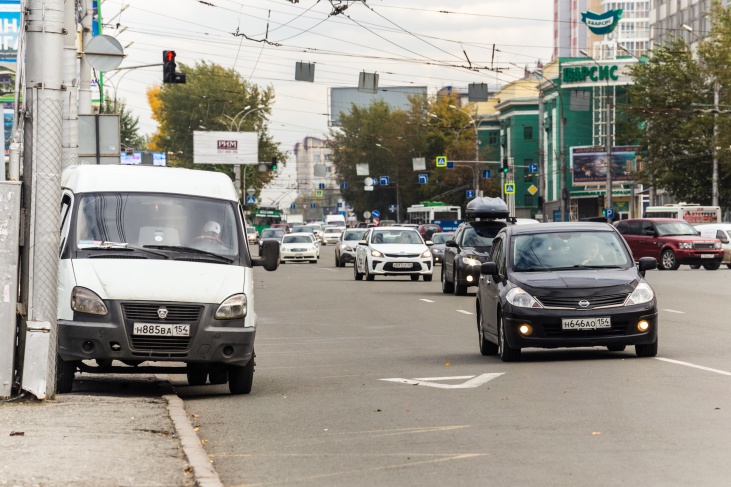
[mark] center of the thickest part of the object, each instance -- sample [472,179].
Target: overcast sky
[407,42]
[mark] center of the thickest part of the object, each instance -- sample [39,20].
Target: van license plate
[403,265]
[152,329]
[585,323]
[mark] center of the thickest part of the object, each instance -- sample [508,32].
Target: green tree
[213,99]
[129,125]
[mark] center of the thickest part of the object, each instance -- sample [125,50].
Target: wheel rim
[480,331]
[500,337]
[668,259]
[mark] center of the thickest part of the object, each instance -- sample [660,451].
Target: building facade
[318,192]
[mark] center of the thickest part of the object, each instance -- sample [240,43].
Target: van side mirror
[268,255]
[488,269]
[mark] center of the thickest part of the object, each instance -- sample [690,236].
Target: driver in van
[211,232]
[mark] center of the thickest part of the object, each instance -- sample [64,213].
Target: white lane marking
[687,364]
[326,269]
[426,300]
[472,382]
[463,311]
[673,311]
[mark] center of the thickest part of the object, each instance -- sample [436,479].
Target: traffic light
[168,69]
[505,168]
[274,164]
[600,201]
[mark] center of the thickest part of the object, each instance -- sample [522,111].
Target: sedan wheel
[507,354]
[616,348]
[459,289]
[668,261]
[447,287]
[358,276]
[368,275]
[414,277]
[428,277]
[646,350]
[486,346]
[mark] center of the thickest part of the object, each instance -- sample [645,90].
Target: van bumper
[110,337]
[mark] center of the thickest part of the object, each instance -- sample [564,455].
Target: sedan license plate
[403,265]
[298,256]
[707,256]
[152,329]
[585,323]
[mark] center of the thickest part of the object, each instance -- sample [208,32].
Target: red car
[428,229]
[672,242]
[283,226]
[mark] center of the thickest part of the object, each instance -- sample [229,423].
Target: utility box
[9,257]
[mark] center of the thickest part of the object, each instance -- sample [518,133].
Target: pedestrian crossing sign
[509,188]
[319,193]
[441,161]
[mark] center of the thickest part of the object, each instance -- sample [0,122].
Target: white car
[299,247]
[393,251]
[345,251]
[251,235]
[331,235]
[316,229]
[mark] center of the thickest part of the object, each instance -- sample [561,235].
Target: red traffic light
[169,56]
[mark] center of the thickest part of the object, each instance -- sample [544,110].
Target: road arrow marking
[430,381]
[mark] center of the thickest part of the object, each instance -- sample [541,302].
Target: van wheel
[668,261]
[447,287]
[64,375]
[219,376]
[712,267]
[240,379]
[196,375]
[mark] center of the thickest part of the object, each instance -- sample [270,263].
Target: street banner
[589,164]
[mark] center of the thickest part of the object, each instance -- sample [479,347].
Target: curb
[204,474]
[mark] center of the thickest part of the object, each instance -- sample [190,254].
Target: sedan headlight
[436,251]
[643,293]
[234,307]
[518,297]
[375,253]
[87,301]
[470,261]
[685,245]
[426,253]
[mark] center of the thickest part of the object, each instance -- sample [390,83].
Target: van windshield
[144,219]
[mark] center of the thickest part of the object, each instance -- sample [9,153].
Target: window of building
[492,137]
[528,133]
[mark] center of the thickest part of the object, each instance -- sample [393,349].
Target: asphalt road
[322,412]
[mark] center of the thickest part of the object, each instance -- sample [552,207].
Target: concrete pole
[41,184]
[85,73]
[608,197]
[69,154]
[714,178]
[561,166]
[541,156]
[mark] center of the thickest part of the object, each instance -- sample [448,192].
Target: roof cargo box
[487,208]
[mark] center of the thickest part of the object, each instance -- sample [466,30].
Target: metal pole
[714,178]
[608,197]
[85,71]
[541,156]
[69,154]
[561,170]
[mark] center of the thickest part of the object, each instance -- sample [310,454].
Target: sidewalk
[110,431]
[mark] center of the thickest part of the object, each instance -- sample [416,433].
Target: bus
[447,217]
[264,217]
[690,212]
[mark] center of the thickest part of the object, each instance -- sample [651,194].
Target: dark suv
[673,242]
[485,217]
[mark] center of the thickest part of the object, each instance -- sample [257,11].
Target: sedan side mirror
[268,256]
[363,242]
[429,243]
[451,243]
[488,269]
[646,264]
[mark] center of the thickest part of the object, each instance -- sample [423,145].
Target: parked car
[437,249]
[299,247]
[331,235]
[462,257]
[673,242]
[252,235]
[428,229]
[275,234]
[392,251]
[721,231]
[345,251]
[569,284]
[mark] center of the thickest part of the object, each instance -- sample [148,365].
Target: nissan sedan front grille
[594,302]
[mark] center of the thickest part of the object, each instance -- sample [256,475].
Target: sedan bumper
[397,267]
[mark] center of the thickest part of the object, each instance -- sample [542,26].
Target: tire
[695,266]
[616,348]
[368,275]
[728,265]
[486,346]
[507,354]
[65,372]
[337,262]
[240,379]
[447,287]
[668,261]
[196,376]
[313,261]
[712,267]
[358,276]
[428,277]
[218,377]
[646,350]
[459,289]
[414,277]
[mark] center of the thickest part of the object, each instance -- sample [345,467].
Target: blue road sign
[533,168]
[423,178]
[321,186]
[610,212]
[313,205]
[450,164]
[487,174]
[383,181]
[375,182]
[344,186]
[376,214]
[292,206]
[250,200]
[392,208]
[470,193]
[441,161]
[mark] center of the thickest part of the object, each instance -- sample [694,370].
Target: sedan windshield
[297,239]
[440,238]
[354,235]
[145,220]
[396,237]
[666,229]
[269,233]
[568,250]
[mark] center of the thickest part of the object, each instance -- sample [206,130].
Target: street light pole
[475,169]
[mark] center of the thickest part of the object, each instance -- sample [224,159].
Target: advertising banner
[225,148]
[589,164]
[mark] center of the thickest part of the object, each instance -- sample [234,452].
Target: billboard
[589,164]
[225,147]
[342,99]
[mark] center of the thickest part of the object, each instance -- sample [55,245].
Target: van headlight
[518,297]
[234,307]
[87,301]
[643,293]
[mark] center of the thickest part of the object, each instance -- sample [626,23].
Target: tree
[210,98]
[129,125]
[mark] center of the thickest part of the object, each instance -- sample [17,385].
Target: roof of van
[148,179]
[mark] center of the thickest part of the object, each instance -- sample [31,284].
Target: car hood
[688,238]
[589,281]
[159,280]
[479,253]
[400,248]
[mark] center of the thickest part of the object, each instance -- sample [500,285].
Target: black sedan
[564,285]
[438,241]
[276,234]
[463,255]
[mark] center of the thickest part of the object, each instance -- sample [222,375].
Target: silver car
[345,251]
